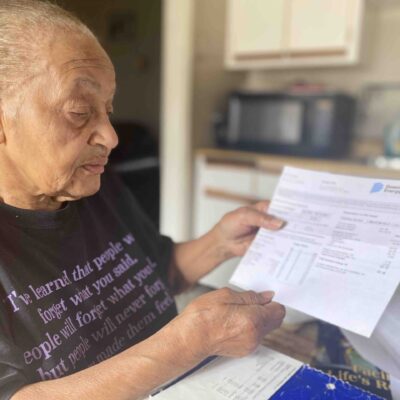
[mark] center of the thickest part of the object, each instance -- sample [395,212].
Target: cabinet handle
[318,53]
[221,194]
[292,54]
[232,163]
[258,56]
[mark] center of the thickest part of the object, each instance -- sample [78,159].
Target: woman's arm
[222,322]
[229,238]
[130,375]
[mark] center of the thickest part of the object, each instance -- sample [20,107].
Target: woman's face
[60,137]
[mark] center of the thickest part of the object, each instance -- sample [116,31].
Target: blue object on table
[310,384]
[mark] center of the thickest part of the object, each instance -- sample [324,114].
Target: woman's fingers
[254,217]
[262,206]
[226,322]
[250,298]
[273,312]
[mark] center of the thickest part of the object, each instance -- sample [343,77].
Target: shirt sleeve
[158,246]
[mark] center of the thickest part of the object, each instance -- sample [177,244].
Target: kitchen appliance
[391,138]
[303,124]
[378,107]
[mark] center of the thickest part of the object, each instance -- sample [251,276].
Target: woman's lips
[95,169]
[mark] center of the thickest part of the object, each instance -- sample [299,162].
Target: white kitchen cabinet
[221,187]
[318,25]
[293,33]
[266,183]
[256,30]
[211,207]
[230,178]
[210,210]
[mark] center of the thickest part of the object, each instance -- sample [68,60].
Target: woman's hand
[228,323]
[229,238]
[237,229]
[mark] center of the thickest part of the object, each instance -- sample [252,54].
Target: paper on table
[383,347]
[338,258]
[256,377]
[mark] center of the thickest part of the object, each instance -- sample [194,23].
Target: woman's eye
[79,118]
[79,114]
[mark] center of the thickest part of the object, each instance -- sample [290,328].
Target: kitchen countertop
[275,163]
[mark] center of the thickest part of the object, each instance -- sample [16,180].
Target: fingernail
[275,223]
[268,295]
[279,312]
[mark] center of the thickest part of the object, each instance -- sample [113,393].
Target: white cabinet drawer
[210,211]
[266,184]
[230,178]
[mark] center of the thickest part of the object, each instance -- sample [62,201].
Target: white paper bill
[338,258]
[255,377]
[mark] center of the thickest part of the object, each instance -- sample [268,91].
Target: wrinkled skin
[228,323]
[55,133]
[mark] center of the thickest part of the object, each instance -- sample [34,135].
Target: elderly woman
[86,282]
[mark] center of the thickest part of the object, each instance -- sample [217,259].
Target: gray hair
[24,25]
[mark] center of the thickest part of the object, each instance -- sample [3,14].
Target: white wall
[176,114]
[211,82]
[195,84]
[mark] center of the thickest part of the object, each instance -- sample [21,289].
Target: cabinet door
[266,184]
[212,209]
[229,178]
[293,33]
[255,28]
[319,25]
[220,188]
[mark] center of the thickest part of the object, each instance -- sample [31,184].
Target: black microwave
[313,125]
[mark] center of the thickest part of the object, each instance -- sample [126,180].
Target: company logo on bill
[377,187]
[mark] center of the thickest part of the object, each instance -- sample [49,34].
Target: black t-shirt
[78,285]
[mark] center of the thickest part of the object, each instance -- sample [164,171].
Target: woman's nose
[104,135]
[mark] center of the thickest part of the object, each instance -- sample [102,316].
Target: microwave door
[289,123]
[285,123]
[234,117]
[265,123]
[271,122]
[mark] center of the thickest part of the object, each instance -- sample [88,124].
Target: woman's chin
[81,187]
